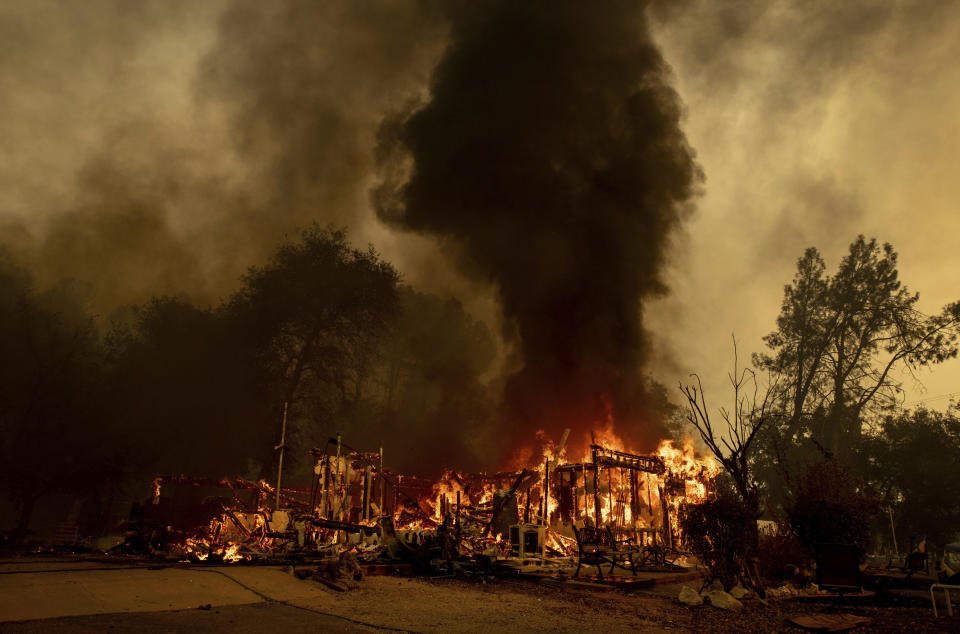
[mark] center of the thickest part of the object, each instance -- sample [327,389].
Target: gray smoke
[163,147]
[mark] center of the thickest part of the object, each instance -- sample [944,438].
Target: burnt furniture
[946,593]
[597,546]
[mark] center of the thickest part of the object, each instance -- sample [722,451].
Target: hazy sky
[813,121]
[164,146]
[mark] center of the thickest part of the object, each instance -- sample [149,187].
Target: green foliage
[831,505]
[915,460]
[186,379]
[839,339]
[207,385]
[323,327]
[781,557]
[178,388]
[720,533]
[56,435]
[841,346]
[313,310]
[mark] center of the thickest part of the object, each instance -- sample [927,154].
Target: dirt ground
[89,596]
[509,605]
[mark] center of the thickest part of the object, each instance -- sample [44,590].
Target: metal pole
[324,484]
[893,533]
[336,482]
[283,435]
[380,475]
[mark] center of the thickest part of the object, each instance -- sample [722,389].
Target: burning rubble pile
[356,510]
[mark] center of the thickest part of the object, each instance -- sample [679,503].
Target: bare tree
[732,440]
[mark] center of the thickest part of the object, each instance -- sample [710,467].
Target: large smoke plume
[550,158]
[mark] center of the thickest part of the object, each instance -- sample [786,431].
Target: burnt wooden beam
[345,526]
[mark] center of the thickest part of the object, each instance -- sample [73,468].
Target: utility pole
[380,475]
[281,447]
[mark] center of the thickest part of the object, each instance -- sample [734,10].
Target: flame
[606,490]
[685,463]
[231,553]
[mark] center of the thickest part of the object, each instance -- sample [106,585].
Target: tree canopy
[915,462]
[56,435]
[839,339]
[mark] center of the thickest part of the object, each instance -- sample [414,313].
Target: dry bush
[718,533]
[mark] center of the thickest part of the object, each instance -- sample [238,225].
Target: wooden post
[586,506]
[335,499]
[396,494]
[596,490]
[612,514]
[283,435]
[561,445]
[667,529]
[546,492]
[367,485]
[576,497]
[564,493]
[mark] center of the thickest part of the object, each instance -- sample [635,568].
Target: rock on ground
[723,600]
[689,596]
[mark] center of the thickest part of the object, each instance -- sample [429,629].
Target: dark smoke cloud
[550,158]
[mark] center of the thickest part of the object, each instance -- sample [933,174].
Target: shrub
[719,534]
[781,557]
[830,505]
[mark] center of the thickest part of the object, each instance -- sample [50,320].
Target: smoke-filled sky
[164,146]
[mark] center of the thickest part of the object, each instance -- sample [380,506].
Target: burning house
[357,505]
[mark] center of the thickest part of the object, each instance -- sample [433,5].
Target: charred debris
[613,512]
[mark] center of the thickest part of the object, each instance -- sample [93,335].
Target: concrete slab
[43,595]
[277,584]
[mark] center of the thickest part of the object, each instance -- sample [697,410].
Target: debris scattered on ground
[828,622]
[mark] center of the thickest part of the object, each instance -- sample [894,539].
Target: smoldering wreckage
[602,518]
